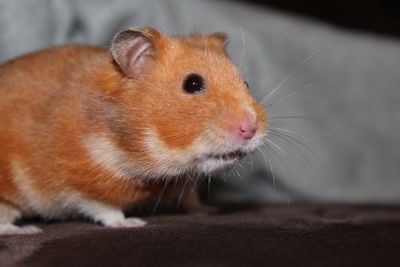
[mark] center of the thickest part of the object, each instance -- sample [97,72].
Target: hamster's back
[28,85]
[29,79]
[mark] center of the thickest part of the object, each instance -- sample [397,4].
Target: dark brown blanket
[269,236]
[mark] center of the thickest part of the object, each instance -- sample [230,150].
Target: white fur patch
[57,206]
[8,214]
[194,158]
[107,214]
[105,153]
[30,199]
[251,111]
[33,201]
[99,212]
[167,162]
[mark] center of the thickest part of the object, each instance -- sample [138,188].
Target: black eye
[247,84]
[193,83]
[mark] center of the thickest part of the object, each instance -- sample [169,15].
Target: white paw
[11,229]
[126,222]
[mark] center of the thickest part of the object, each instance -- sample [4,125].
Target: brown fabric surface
[268,236]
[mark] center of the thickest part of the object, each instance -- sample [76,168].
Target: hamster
[92,132]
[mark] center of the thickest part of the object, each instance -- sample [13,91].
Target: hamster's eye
[193,83]
[247,84]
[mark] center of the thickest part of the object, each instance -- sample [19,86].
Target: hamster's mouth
[213,162]
[217,161]
[235,155]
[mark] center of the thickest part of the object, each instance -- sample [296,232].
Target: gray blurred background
[334,71]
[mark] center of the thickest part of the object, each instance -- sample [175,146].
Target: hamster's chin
[214,162]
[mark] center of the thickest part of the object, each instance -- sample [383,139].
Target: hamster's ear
[219,38]
[133,50]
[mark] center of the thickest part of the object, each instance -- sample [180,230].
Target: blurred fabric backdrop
[336,68]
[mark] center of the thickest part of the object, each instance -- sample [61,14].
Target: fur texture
[78,126]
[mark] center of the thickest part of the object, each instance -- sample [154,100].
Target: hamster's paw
[11,229]
[107,215]
[126,222]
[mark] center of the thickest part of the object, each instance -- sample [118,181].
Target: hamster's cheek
[179,127]
[168,161]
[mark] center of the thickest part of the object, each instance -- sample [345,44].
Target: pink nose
[247,127]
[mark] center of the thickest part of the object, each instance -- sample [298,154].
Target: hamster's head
[187,107]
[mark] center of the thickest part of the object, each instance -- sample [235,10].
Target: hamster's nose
[247,127]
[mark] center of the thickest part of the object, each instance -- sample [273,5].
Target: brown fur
[51,99]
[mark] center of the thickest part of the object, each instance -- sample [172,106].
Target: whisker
[251,163]
[303,117]
[269,165]
[278,100]
[224,177]
[288,77]
[307,147]
[159,198]
[275,145]
[269,83]
[281,161]
[240,165]
[193,188]
[239,175]
[289,136]
[290,132]
[243,46]
[293,145]
[278,133]
[181,194]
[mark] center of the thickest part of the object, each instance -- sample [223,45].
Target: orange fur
[51,99]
